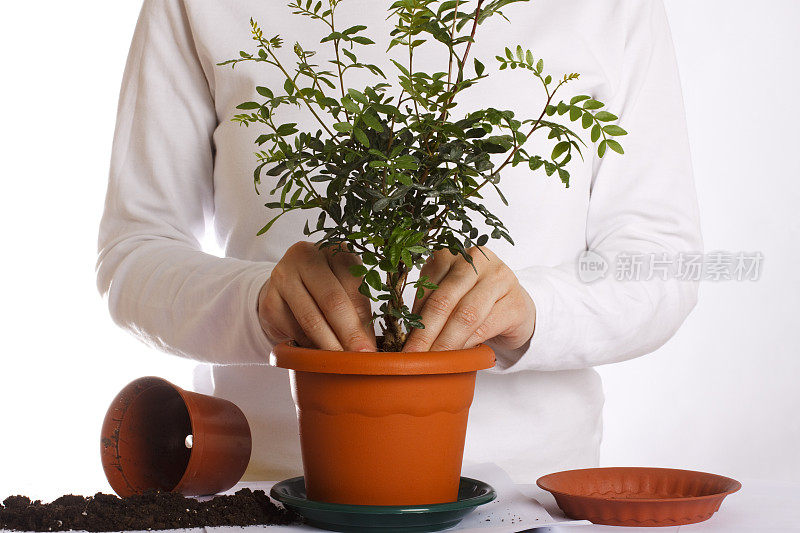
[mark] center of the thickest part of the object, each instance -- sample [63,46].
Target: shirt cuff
[258,339]
[538,352]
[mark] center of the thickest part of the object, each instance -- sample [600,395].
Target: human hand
[312,298]
[468,308]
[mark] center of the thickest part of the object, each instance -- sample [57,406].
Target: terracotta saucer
[640,497]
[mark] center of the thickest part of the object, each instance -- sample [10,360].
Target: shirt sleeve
[158,283]
[642,204]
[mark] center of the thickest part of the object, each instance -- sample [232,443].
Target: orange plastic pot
[157,436]
[382,428]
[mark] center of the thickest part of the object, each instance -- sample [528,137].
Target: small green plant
[392,169]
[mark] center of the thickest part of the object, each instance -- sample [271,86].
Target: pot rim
[300,359]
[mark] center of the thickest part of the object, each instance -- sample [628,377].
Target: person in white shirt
[180,166]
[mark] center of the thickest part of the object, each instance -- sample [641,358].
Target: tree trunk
[393,335]
[394,338]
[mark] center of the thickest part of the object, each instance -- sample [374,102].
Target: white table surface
[761,506]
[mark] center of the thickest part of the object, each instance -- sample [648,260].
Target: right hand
[312,298]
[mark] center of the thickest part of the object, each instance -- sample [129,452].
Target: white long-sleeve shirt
[179,165]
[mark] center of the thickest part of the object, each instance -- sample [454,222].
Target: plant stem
[338,61]
[393,335]
[452,51]
[515,150]
[462,65]
[297,90]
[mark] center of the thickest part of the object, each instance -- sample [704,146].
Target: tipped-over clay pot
[158,436]
[382,428]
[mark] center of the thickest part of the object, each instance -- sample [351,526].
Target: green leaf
[479,68]
[381,204]
[394,256]
[248,105]
[288,86]
[540,66]
[373,278]
[614,145]
[406,162]
[350,105]
[358,270]
[575,113]
[286,129]
[592,104]
[596,132]
[601,148]
[605,116]
[364,289]
[360,39]
[265,229]
[406,257]
[353,29]
[263,91]
[587,121]
[613,129]
[331,37]
[529,58]
[559,149]
[372,121]
[579,98]
[357,96]
[361,136]
[343,127]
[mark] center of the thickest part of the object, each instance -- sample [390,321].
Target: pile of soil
[151,510]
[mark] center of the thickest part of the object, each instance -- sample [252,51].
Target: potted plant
[396,174]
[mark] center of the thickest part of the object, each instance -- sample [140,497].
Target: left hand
[468,308]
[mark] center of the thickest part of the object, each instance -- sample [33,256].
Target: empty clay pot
[382,428]
[157,436]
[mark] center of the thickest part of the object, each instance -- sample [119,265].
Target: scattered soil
[151,510]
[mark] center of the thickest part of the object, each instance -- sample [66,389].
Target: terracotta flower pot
[382,428]
[158,436]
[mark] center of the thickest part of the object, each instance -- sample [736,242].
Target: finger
[439,305]
[436,268]
[308,315]
[503,323]
[470,313]
[277,321]
[336,306]
[340,263]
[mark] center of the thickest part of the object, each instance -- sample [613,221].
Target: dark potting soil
[151,510]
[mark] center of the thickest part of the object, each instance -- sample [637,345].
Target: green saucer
[383,518]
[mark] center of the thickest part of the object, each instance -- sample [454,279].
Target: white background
[722,396]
